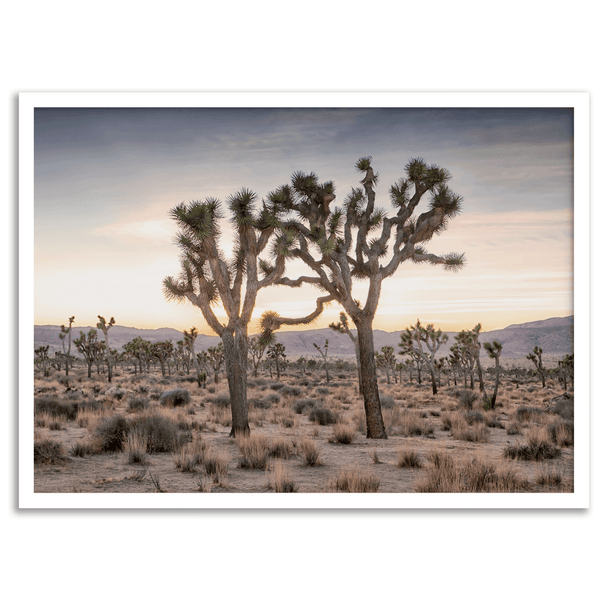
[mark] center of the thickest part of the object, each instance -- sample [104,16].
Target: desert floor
[435,443]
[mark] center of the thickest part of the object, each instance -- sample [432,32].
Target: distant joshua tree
[256,350]
[494,350]
[104,327]
[90,347]
[324,355]
[215,356]
[163,351]
[276,354]
[189,341]
[42,354]
[64,332]
[536,359]
[387,361]
[140,349]
[566,369]
[424,342]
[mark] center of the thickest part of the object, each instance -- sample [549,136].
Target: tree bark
[374,418]
[235,347]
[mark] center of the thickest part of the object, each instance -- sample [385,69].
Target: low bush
[302,406]
[162,434]
[528,413]
[322,416]
[562,433]
[48,452]
[222,400]
[111,433]
[474,416]
[311,453]
[177,397]
[137,404]
[282,481]
[255,452]
[81,449]
[277,386]
[466,398]
[387,402]
[343,433]
[409,459]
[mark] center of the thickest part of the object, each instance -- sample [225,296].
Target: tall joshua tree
[189,341]
[103,326]
[90,347]
[494,350]
[425,342]
[536,359]
[256,350]
[207,277]
[349,243]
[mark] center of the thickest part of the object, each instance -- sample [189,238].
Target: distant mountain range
[554,335]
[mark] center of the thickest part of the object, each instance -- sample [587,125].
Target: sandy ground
[112,473]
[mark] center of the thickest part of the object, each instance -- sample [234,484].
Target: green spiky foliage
[536,359]
[104,327]
[423,342]
[360,241]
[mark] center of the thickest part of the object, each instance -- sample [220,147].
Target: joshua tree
[140,349]
[42,354]
[276,354]
[494,350]
[162,351]
[346,249]
[536,359]
[189,340]
[215,356]
[424,342]
[104,327]
[386,361]
[324,355]
[90,347]
[566,369]
[342,326]
[256,350]
[207,277]
[64,332]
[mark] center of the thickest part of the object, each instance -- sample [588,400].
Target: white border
[579,499]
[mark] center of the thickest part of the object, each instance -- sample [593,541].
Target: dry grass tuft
[343,433]
[282,482]
[356,480]
[310,451]
[538,447]
[408,459]
[255,452]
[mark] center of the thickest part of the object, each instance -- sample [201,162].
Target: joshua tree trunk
[433,378]
[375,425]
[235,347]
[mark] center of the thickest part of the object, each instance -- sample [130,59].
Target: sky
[106,179]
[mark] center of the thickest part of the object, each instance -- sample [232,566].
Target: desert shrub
[564,408]
[265,402]
[356,480]
[137,404]
[493,422]
[322,416]
[287,421]
[40,422]
[466,398]
[409,459]
[80,449]
[343,433]
[177,397]
[282,481]
[273,399]
[443,475]
[536,448]
[48,452]
[549,477]
[216,464]
[111,433]
[513,428]
[288,390]
[412,424]
[474,416]
[185,461]
[55,426]
[311,452]
[54,408]
[136,447]
[211,389]
[434,413]
[221,400]
[277,386]
[302,406]
[360,421]
[255,452]
[462,431]
[527,413]
[161,433]
[386,402]
[143,390]
[323,391]
[562,433]
[281,448]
